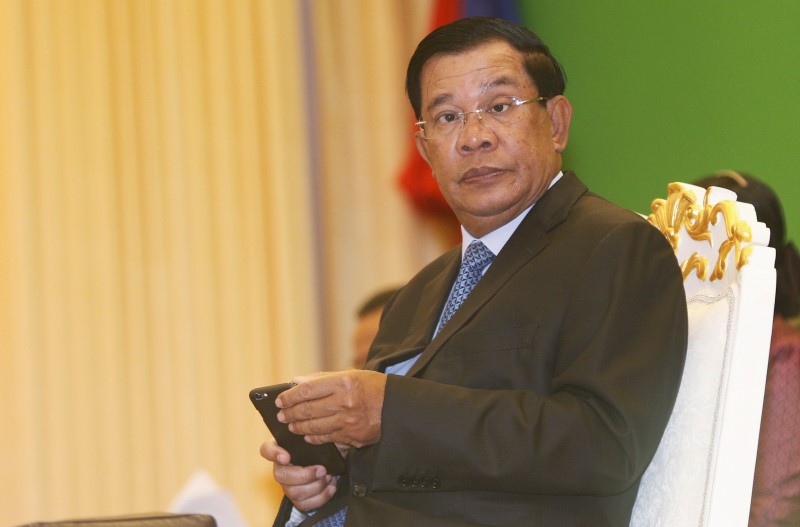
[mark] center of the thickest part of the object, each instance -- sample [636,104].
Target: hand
[308,488]
[341,407]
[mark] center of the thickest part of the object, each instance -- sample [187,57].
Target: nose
[475,134]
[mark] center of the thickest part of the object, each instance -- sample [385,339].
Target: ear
[560,110]
[422,146]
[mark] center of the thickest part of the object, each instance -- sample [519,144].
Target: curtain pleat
[174,232]
[370,238]
[157,254]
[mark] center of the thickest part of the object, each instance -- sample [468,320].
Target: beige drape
[173,232]
[369,236]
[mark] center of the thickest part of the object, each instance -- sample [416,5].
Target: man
[543,398]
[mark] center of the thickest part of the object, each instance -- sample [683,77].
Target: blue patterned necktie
[476,258]
[334,520]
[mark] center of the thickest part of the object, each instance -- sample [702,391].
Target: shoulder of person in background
[769,210]
[368,318]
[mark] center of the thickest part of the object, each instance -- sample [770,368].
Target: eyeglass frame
[463,115]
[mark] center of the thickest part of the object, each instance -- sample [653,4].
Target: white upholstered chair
[702,473]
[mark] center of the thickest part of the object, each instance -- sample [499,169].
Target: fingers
[351,416]
[306,487]
[297,476]
[323,407]
[310,387]
[341,407]
[322,430]
[272,452]
[312,495]
[305,378]
[326,393]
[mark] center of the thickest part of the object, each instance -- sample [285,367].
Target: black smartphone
[303,454]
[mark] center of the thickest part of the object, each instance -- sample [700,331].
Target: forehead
[470,74]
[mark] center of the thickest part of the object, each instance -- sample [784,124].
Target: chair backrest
[702,473]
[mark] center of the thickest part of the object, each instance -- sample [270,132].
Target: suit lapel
[427,312]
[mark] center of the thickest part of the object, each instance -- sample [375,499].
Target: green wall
[672,90]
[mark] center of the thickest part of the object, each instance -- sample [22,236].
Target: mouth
[480,173]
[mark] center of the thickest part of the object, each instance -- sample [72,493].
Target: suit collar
[554,206]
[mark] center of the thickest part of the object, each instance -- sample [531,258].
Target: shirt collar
[496,240]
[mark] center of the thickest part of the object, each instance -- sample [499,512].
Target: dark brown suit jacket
[544,398]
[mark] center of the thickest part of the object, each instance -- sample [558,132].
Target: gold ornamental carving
[681,209]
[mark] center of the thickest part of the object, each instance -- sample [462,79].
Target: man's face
[489,172]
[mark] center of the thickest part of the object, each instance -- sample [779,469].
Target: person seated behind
[526,376]
[368,318]
[776,486]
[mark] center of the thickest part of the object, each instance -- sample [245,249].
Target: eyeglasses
[501,111]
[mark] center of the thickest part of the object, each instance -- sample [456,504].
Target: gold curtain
[369,237]
[173,233]
[154,185]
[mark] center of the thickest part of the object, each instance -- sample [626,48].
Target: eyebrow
[448,97]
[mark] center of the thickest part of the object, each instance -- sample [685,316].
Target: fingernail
[320,472]
[281,417]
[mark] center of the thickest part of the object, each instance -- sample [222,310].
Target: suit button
[404,481]
[359,490]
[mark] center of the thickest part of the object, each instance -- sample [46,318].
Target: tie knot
[477,255]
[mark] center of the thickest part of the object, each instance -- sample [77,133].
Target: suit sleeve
[620,345]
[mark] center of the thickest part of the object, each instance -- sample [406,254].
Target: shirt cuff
[297,517]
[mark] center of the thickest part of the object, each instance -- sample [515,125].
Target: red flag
[416,178]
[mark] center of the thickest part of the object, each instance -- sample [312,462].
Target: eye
[500,107]
[447,118]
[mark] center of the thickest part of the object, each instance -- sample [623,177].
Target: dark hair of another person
[769,211]
[376,301]
[468,33]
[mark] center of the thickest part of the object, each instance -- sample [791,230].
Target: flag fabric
[415,178]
